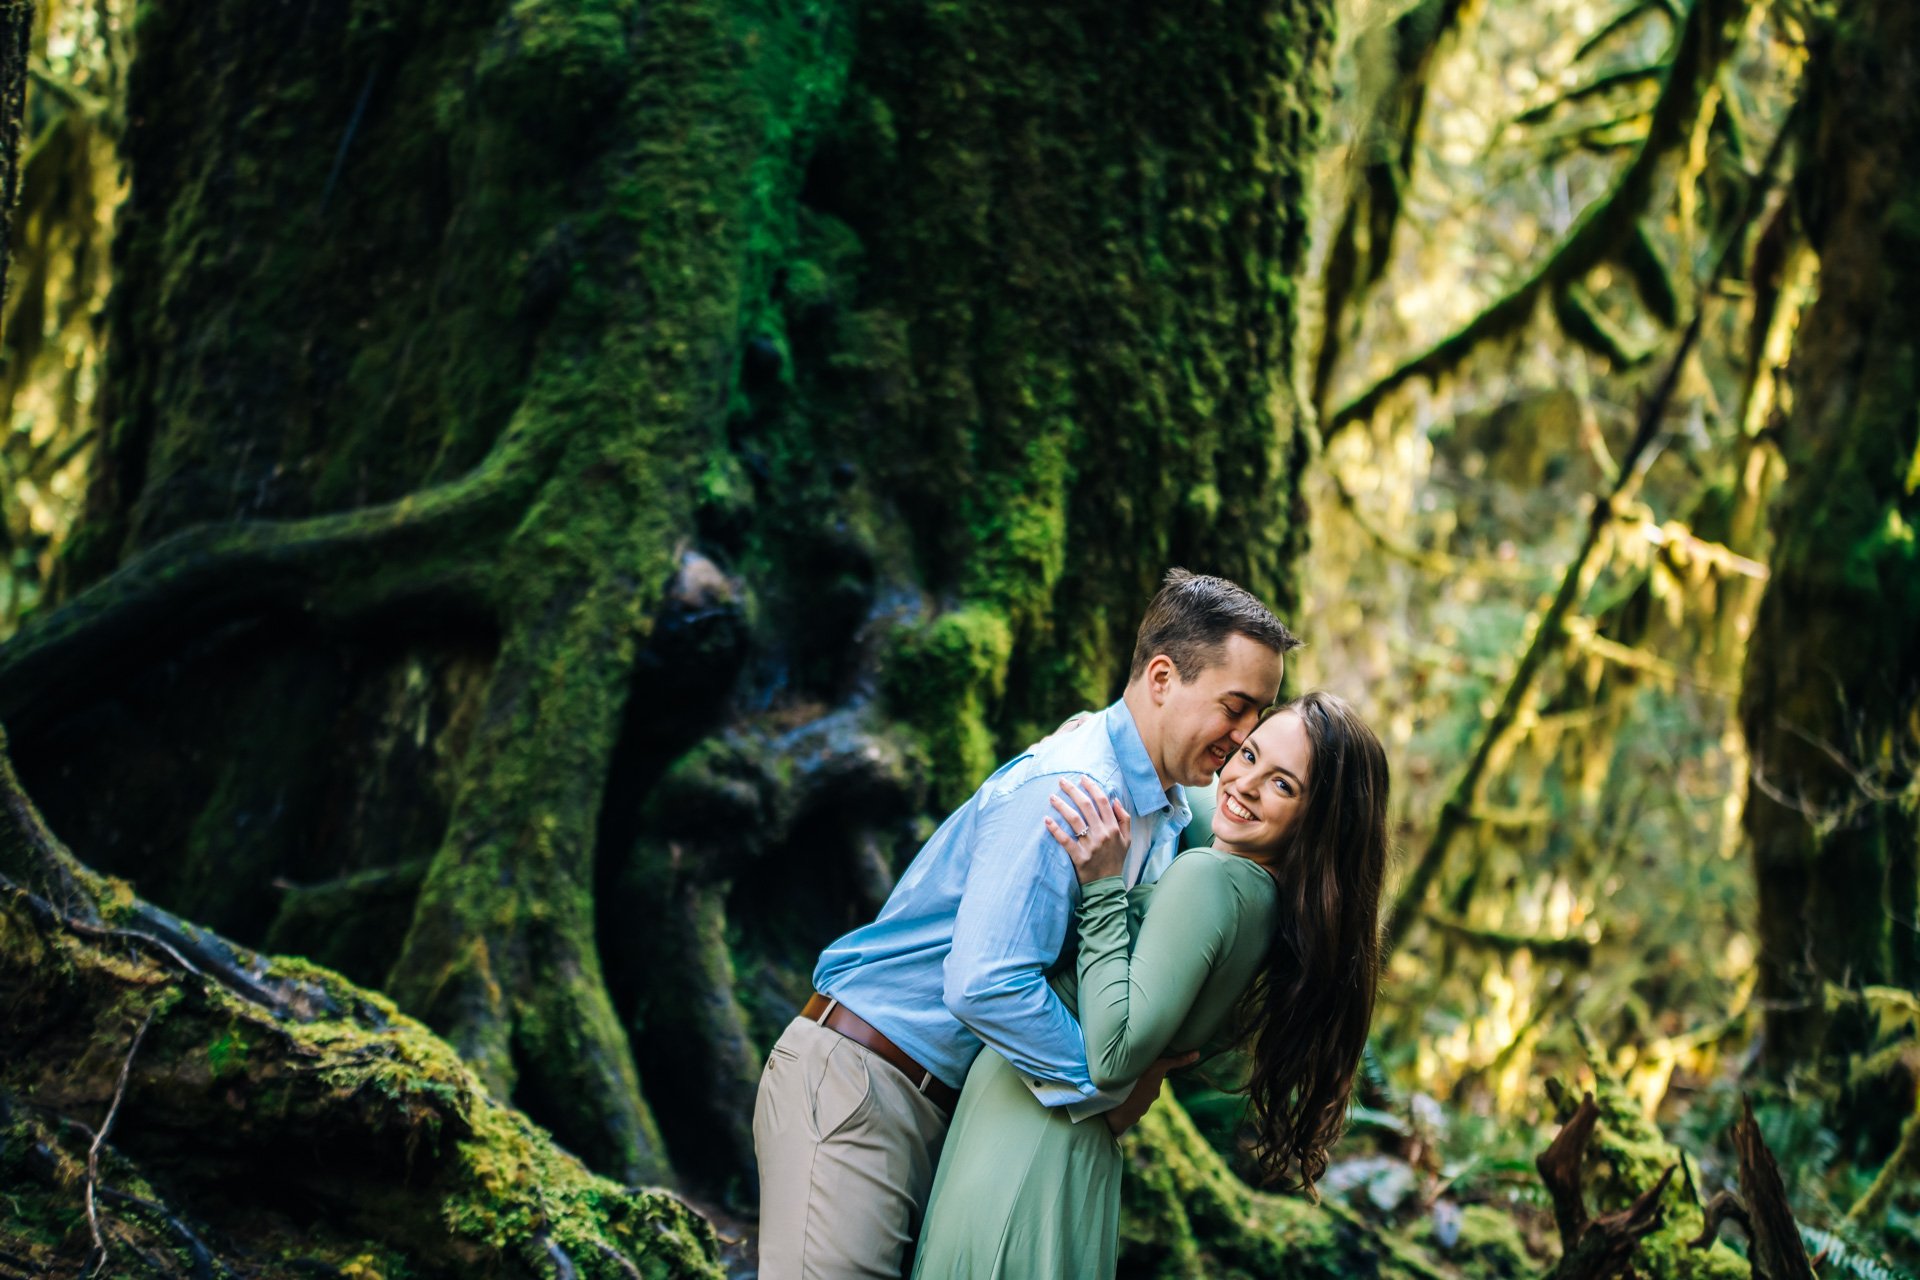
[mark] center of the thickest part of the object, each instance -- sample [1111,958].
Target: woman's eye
[1285,788]
[1246,753]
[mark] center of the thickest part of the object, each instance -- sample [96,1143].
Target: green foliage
[1841,1255]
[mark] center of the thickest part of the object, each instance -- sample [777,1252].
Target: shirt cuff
[1052,1093]
[1099,1104]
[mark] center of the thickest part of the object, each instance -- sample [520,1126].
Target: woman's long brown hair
[1308,1010]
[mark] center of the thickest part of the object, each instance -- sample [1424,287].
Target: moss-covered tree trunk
[585,481]
[1831,703]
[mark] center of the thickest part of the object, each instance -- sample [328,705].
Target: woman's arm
[1131,1003]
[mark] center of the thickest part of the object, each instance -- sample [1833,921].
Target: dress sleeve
[1131,1004]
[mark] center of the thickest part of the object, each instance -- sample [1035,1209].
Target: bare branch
[99,1139]
[1777,1249]
[1572,947]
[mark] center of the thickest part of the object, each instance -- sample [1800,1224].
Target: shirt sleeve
[1131,1004]
[1013,918]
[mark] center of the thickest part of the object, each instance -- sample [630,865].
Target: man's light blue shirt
[959,954]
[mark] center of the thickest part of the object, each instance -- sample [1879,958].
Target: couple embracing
[953,1092]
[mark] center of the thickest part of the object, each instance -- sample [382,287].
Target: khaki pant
[847,1147]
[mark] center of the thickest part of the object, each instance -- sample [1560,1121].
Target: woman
[1276,923]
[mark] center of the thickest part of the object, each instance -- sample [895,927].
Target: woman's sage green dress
[1023,1191]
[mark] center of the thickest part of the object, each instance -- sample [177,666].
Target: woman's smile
[1261,787]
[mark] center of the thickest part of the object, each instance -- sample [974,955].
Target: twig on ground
[98,1258]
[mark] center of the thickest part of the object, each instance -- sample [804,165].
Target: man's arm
[1145,1092]
[1013,918]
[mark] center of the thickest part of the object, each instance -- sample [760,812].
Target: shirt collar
[1136,767]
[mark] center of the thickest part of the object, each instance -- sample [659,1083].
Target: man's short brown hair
[1191,617]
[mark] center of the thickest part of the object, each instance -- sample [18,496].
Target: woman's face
[1263,786]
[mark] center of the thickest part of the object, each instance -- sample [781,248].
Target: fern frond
[1840,1255]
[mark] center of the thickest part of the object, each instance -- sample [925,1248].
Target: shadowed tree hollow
[581,483]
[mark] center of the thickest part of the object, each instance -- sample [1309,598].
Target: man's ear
[1160,674]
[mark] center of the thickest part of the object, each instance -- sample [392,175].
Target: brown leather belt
[835,1016]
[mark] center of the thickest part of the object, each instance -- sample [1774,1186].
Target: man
[855,1098]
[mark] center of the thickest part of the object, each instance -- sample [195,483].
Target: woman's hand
[1096,833]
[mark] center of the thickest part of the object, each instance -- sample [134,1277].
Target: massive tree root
[268,1118]
[343,567]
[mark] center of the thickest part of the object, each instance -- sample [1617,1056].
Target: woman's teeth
[1236,809]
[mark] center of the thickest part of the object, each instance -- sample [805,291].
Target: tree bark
[583,483]
[1833,671]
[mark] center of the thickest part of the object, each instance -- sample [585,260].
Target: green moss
[944,678]
[351,924]
[1184,1214]
[1626,1157]
[227,1055]
[1062,352]
[447,1181]
[562,64]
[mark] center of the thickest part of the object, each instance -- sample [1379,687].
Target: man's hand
[1145,1092]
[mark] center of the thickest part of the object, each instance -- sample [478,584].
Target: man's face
[1204,720]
